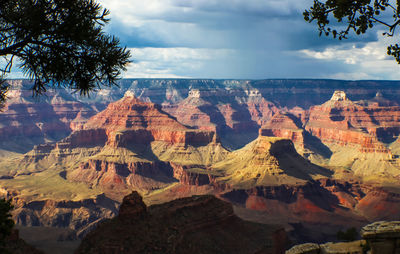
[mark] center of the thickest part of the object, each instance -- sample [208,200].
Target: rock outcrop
[328,248]
[285,125]
[383,236]
[228,112]
[130,120]
[139,137]
[199,224]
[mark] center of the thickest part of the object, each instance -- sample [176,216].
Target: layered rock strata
[343,122]
[129,145]
[267,161]
[285,126]
[26,121]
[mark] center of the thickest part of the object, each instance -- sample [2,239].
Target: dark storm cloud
[264,37]
[225,24]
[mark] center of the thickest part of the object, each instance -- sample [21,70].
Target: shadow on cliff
[144,152]
[311,197]
[293,164]
[314,144]
[242,131]
[23,138]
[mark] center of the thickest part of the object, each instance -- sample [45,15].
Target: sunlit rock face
[339,96]
[367,117]
[131,144]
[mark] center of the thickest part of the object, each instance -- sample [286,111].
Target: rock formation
[267,161]
[285,126]
[355,133]
[129,145]
[228,112]
[139,136]
[365,124]
[355,247]
[383,236]
[28,121]
[199,224]
[81,216]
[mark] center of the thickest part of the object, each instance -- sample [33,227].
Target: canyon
[310,156]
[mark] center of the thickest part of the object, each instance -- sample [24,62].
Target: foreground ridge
[198,224]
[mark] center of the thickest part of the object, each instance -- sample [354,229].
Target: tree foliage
[3,91]
[60,43]
[358,16]
[6,223]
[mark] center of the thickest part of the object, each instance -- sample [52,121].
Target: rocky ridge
[199,224]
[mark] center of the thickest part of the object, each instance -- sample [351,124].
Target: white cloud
[172,62]
[371,51]
[367,62]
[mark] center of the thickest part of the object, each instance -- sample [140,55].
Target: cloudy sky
[240,39]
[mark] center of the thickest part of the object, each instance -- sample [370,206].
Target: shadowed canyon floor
[312,161]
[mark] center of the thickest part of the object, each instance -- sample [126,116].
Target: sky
[240,39]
